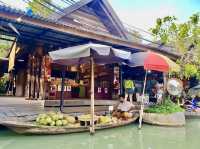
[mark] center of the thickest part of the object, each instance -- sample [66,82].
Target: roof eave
[84,33]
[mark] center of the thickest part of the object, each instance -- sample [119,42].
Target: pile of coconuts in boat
[60,120]
[55,119]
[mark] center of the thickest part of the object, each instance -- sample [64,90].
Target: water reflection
[150,137]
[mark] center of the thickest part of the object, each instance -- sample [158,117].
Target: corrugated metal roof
[8,9]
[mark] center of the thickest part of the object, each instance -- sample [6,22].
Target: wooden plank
[115,27]
[79,102]
[88,20]
[74,7]
[115,17]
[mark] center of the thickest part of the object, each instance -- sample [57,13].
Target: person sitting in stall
[194,104]
[129,89]
[124,109]
[151,89]
[159,92]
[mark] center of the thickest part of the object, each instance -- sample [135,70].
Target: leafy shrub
[3,84]
[167,107]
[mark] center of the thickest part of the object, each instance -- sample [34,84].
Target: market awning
[102,54]
[153,61]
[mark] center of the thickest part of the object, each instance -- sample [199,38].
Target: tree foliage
[4,50]
[4,47]
[41,7]
[185,38]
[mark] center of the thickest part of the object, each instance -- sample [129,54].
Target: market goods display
[105,119]
[54,119]
[123,115]
[87,117]
[127,115]
[85,120]
[59,119]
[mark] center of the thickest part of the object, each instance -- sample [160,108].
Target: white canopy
[102,54]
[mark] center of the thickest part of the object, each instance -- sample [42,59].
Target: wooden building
[85,21]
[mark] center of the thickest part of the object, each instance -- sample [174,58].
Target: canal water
[150,137]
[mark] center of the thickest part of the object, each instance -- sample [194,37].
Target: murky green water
[150,137]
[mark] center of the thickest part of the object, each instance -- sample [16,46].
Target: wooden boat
[192,114]
[174,119]
[32,128]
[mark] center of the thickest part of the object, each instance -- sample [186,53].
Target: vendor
[129,89]
[122,108]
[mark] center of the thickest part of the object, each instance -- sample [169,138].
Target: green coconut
[55,117]
[60,116]
[64,122]
[42,122]
[59,123]
[70,119]
[42,116]
[48,120]
[53,123]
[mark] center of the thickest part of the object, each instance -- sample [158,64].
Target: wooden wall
[87,19]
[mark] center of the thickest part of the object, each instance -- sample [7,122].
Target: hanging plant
[190,70]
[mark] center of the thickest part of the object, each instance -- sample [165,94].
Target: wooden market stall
[84,22]
[77,82]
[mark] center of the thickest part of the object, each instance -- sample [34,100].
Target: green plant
[184,38]
[3,81]
[190,70]
[167,107]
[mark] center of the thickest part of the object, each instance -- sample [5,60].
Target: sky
[143,13]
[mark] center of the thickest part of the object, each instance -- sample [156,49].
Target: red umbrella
[154,61]
[151,61]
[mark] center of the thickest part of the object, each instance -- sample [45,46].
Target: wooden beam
[116,28]
[74,7]
[111,13]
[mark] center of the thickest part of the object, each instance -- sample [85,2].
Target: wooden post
[142,104]
[62,90]
[164,86]
[165,81]
[37,82]
[28,79]
[32,77]
[92,128]
[42,75]
[121,80]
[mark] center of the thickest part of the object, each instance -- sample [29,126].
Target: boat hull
[31,128]
[174,119]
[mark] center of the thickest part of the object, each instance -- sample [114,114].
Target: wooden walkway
[12,108]
[15,108]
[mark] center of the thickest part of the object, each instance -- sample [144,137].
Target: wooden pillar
[92,128]
[33,62]
[28,78]
[165,78]
[38,69]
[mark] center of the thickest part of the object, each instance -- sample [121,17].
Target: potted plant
[167,114]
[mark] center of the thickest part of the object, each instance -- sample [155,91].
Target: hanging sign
[59,88]
[99,89]
[65,88]
[69,88]
[106,90]
[110,108]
